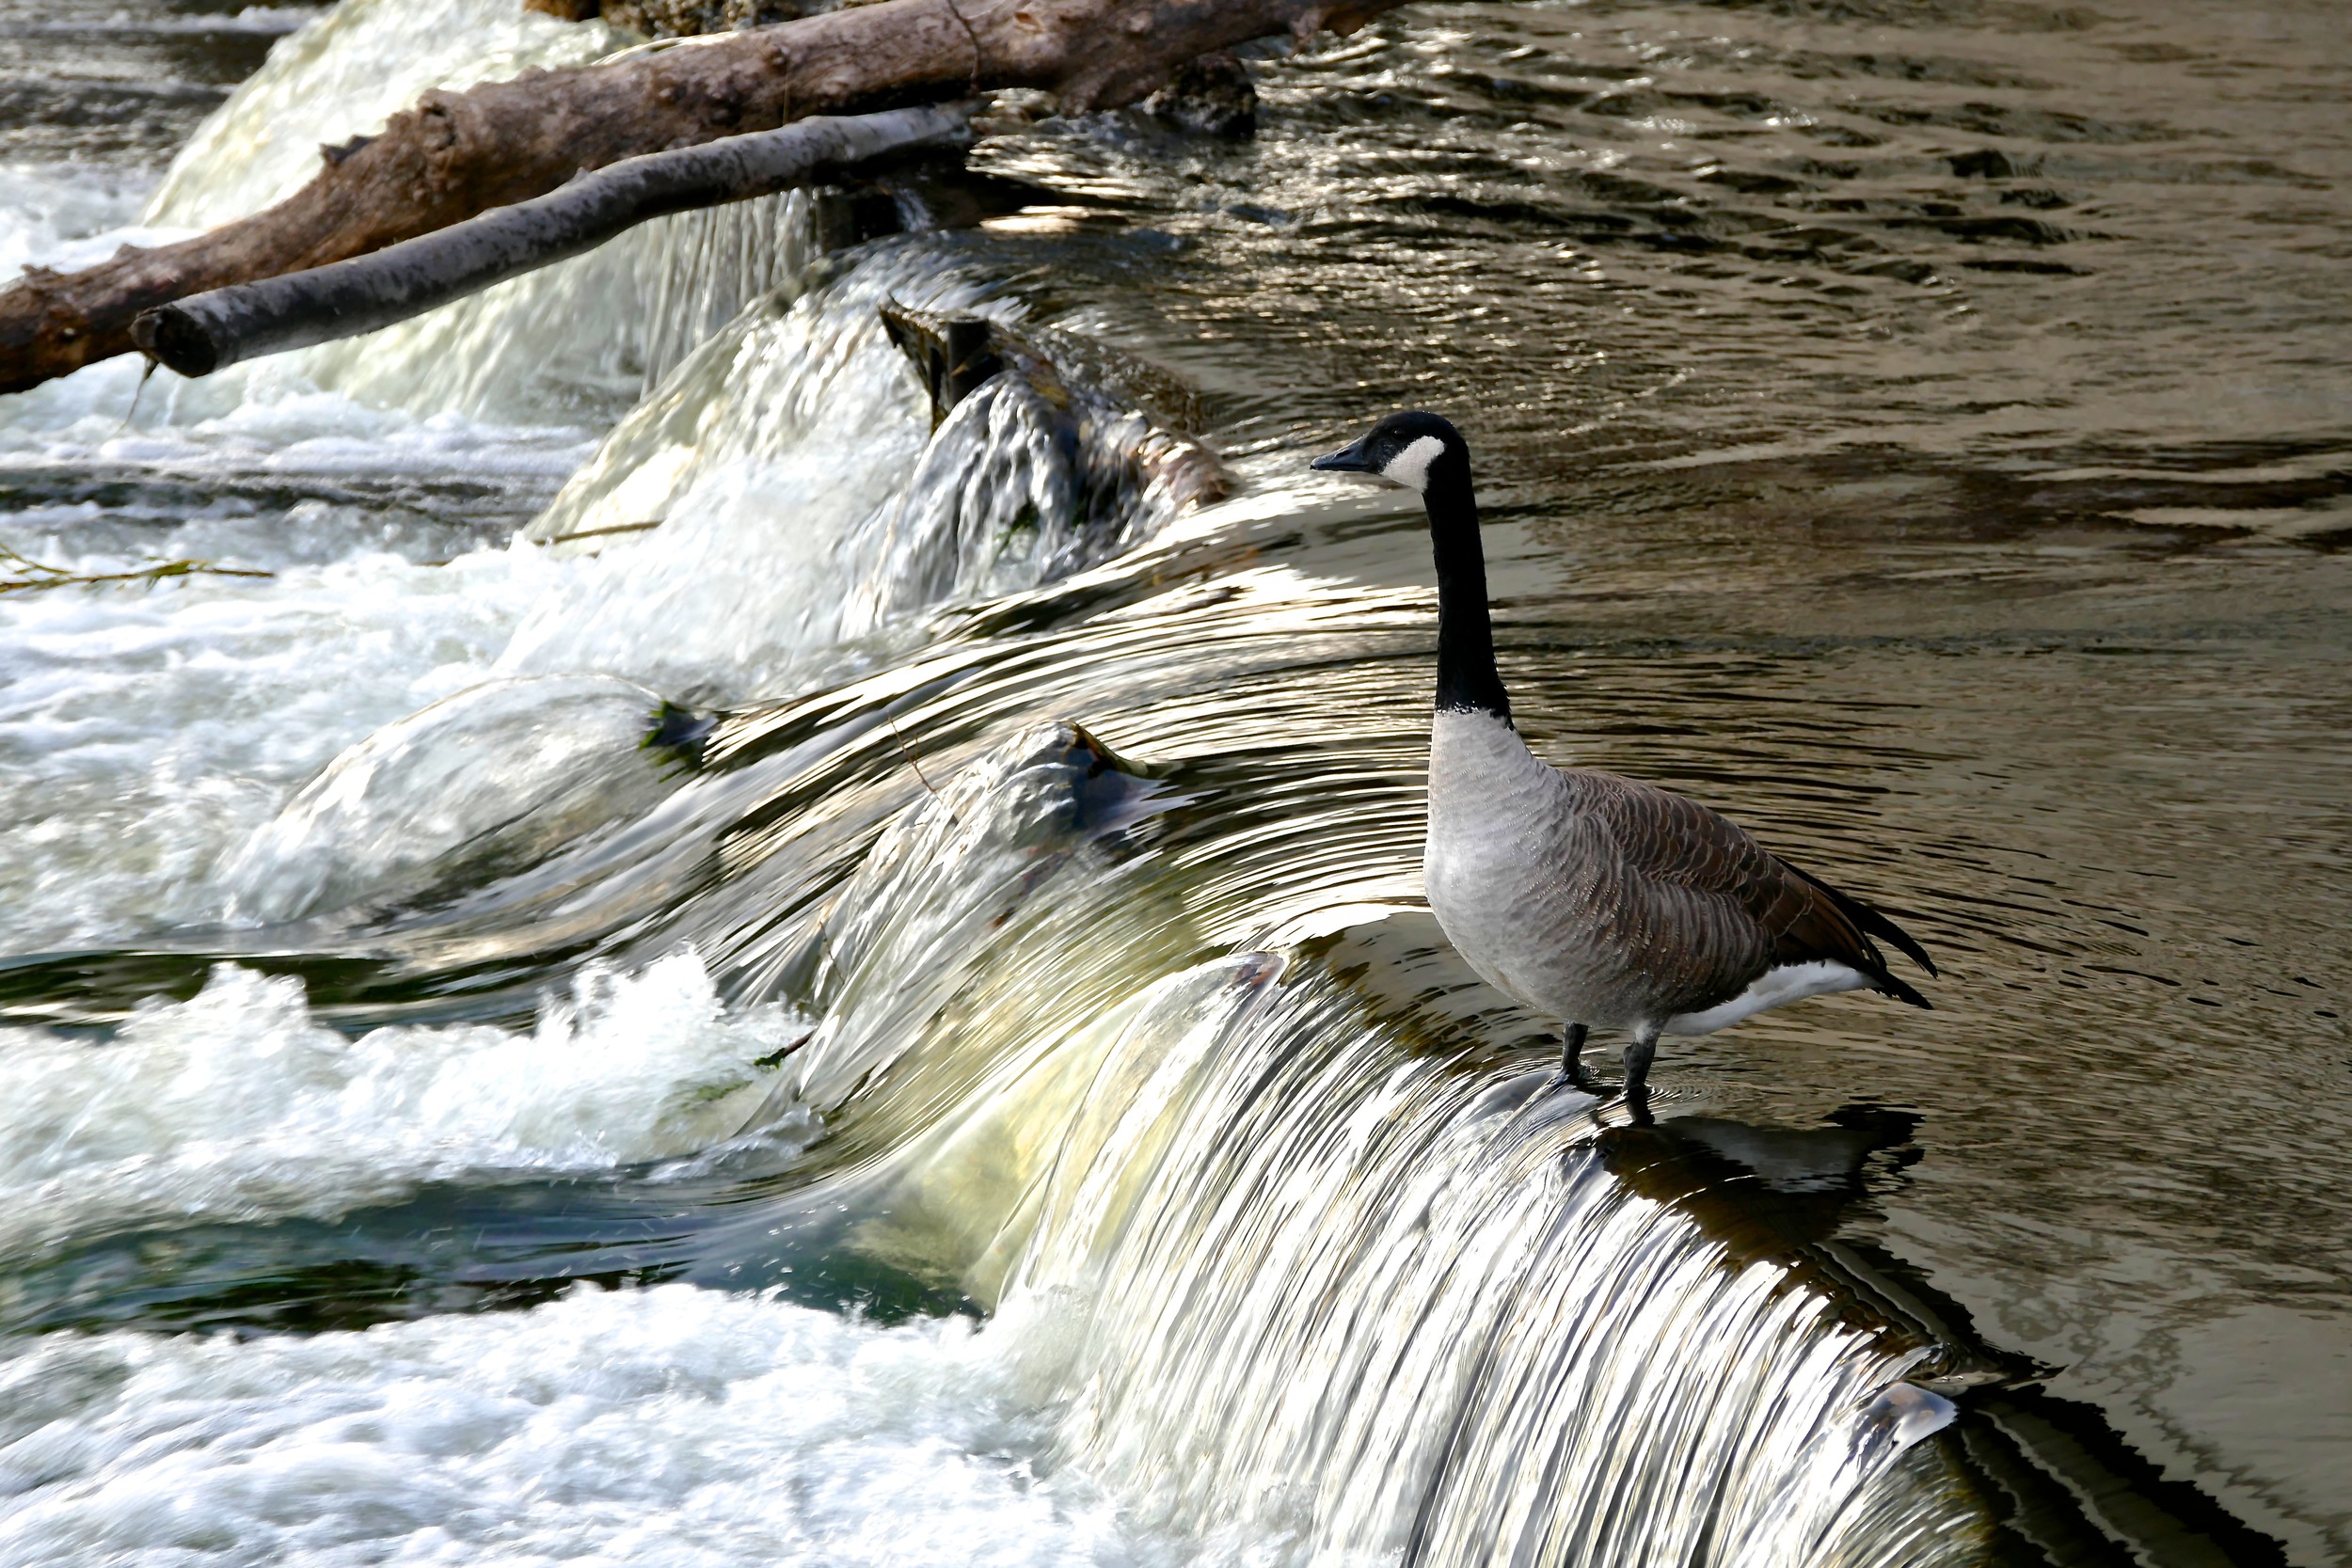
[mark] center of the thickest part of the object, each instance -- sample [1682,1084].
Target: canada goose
[1606,903]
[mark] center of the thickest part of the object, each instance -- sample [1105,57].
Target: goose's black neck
[1466,679]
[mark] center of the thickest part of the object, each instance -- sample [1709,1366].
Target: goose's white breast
[1497,816]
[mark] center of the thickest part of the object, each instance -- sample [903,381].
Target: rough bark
[206,332]
[673,19]
[456,154]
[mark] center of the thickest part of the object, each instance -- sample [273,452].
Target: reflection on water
[1633,230]
[1920,431]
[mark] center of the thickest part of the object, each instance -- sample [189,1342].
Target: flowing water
[721,964]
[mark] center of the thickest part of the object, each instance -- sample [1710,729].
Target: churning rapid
[737,948]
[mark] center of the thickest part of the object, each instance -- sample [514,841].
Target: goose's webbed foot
[1638,1058]
[1572,1074]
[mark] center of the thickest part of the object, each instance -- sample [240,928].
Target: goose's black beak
[1347,460]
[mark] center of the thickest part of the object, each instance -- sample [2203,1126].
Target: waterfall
[570,346]
[899,970]
[1280,1267]
[342,76]
[1390,1311]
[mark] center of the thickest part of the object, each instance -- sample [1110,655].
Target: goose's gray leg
[1638,1058]
[1572,1059]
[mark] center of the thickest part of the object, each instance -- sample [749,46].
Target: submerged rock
[475,786]
[1212,96]
[1041,462]
[935,924]
[1096,408]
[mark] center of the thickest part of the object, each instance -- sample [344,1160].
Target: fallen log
[456,154]
[209,331]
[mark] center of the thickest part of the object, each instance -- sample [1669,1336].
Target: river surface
[984,1087]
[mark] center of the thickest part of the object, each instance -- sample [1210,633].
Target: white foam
[344,75]
[771,458]
[143,732]
[67,216]
[486,781]
[669,1426]
[237,1104]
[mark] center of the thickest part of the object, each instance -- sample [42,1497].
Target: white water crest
[343,76]
[574,344]
[673,1425]
[238,1104]
[479,784]
[65,216]
[146,733]
[784,493]
[769,460]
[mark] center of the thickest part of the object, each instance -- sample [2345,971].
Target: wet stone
[1213,96]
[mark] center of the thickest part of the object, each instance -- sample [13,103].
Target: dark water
[1921,431]
[118,86]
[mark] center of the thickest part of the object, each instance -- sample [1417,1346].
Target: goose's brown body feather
[1616,904]
[1715,877]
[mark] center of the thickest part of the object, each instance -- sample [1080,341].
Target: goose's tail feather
[1872,923]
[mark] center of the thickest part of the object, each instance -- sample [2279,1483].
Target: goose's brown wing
[1712,891]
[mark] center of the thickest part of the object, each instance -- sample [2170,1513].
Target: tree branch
[343,299]
[456,154]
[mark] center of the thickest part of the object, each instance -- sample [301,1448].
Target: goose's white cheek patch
[1410,467]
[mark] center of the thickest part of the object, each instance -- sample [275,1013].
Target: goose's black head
[1414,450]
[1424,452]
